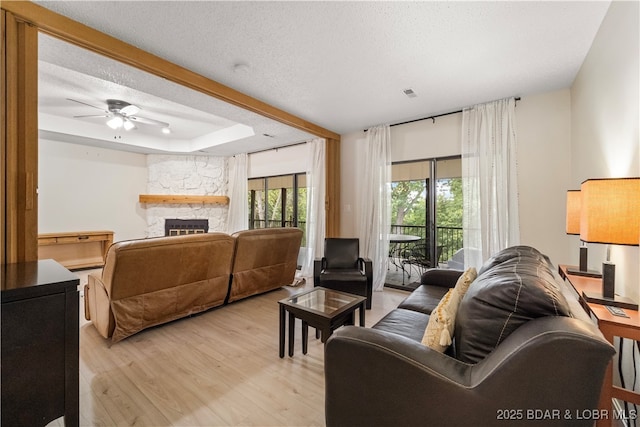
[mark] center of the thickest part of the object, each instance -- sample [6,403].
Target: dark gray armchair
[342,269]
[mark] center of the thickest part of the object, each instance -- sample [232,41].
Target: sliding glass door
[427,203]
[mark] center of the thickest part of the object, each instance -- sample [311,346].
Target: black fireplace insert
[180,227]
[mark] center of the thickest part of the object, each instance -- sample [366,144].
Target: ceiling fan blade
[88,105]
[129,110]
[146,121]
[92,115]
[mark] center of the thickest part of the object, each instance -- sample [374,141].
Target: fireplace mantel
[182,199]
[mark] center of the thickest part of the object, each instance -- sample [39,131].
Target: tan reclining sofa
[264,259]
[148,282]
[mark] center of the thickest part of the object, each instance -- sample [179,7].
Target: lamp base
[616,301]
[575,271]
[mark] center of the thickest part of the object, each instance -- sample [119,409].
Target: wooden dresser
[77,249]
[40,344]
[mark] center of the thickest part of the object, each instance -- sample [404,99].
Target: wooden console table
[610,326]
[76,249]
[39,326]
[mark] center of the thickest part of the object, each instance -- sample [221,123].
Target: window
[278,201]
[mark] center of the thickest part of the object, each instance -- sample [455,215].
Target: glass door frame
[431,232]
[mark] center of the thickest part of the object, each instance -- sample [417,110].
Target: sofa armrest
[97,306]
[368,372]
[440,277]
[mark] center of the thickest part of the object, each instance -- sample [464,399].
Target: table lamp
[610,214]
[574,201]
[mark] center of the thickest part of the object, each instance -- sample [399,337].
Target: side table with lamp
[609,213]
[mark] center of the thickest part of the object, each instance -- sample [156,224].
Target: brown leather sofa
[524,353]
[148,282]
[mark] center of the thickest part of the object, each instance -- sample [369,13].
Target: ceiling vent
[410,93]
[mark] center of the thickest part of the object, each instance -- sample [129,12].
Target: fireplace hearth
[180,227]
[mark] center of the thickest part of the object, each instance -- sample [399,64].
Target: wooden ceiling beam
[66,29]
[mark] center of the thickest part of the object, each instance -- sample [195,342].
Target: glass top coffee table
[324,309]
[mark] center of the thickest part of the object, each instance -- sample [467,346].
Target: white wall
[544,149]
[605,141]
[82,188]
[544,135]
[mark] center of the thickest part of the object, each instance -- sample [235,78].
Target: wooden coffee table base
[324,322]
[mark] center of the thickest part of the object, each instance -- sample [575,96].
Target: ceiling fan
[122,114]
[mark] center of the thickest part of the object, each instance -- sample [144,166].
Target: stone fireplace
[185,175]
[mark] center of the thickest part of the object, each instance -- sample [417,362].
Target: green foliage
[409,206]
[449,202]
[274,204]
[408,203]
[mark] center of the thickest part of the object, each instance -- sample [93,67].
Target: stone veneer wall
[192,175]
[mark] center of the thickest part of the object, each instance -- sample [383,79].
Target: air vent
[410,93]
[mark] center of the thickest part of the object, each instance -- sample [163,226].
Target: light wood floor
[219,368]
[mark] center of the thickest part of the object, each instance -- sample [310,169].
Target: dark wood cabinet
[40,325]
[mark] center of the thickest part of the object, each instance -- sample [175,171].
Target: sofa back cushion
[341,253]
[153,281]
[516,286]
[264,259]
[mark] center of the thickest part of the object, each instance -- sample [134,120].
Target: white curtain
[238,214]
[375,201]
[489,180]
[315,230]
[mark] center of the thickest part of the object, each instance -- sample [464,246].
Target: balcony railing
[450,238]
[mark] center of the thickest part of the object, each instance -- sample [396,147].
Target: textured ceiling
[344,65]
[68,72]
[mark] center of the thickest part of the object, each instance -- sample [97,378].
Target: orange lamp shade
[610,211]
[574,200]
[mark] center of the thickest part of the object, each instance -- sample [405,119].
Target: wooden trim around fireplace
[182,199]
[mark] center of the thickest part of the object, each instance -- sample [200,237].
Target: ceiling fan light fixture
[130,110]
[128,125]
[115,123]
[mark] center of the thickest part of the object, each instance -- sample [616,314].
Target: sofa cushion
[424,299]
[408,323]
[518,286]
[439,330]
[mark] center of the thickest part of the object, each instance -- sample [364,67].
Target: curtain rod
[434,117]
[277,148]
